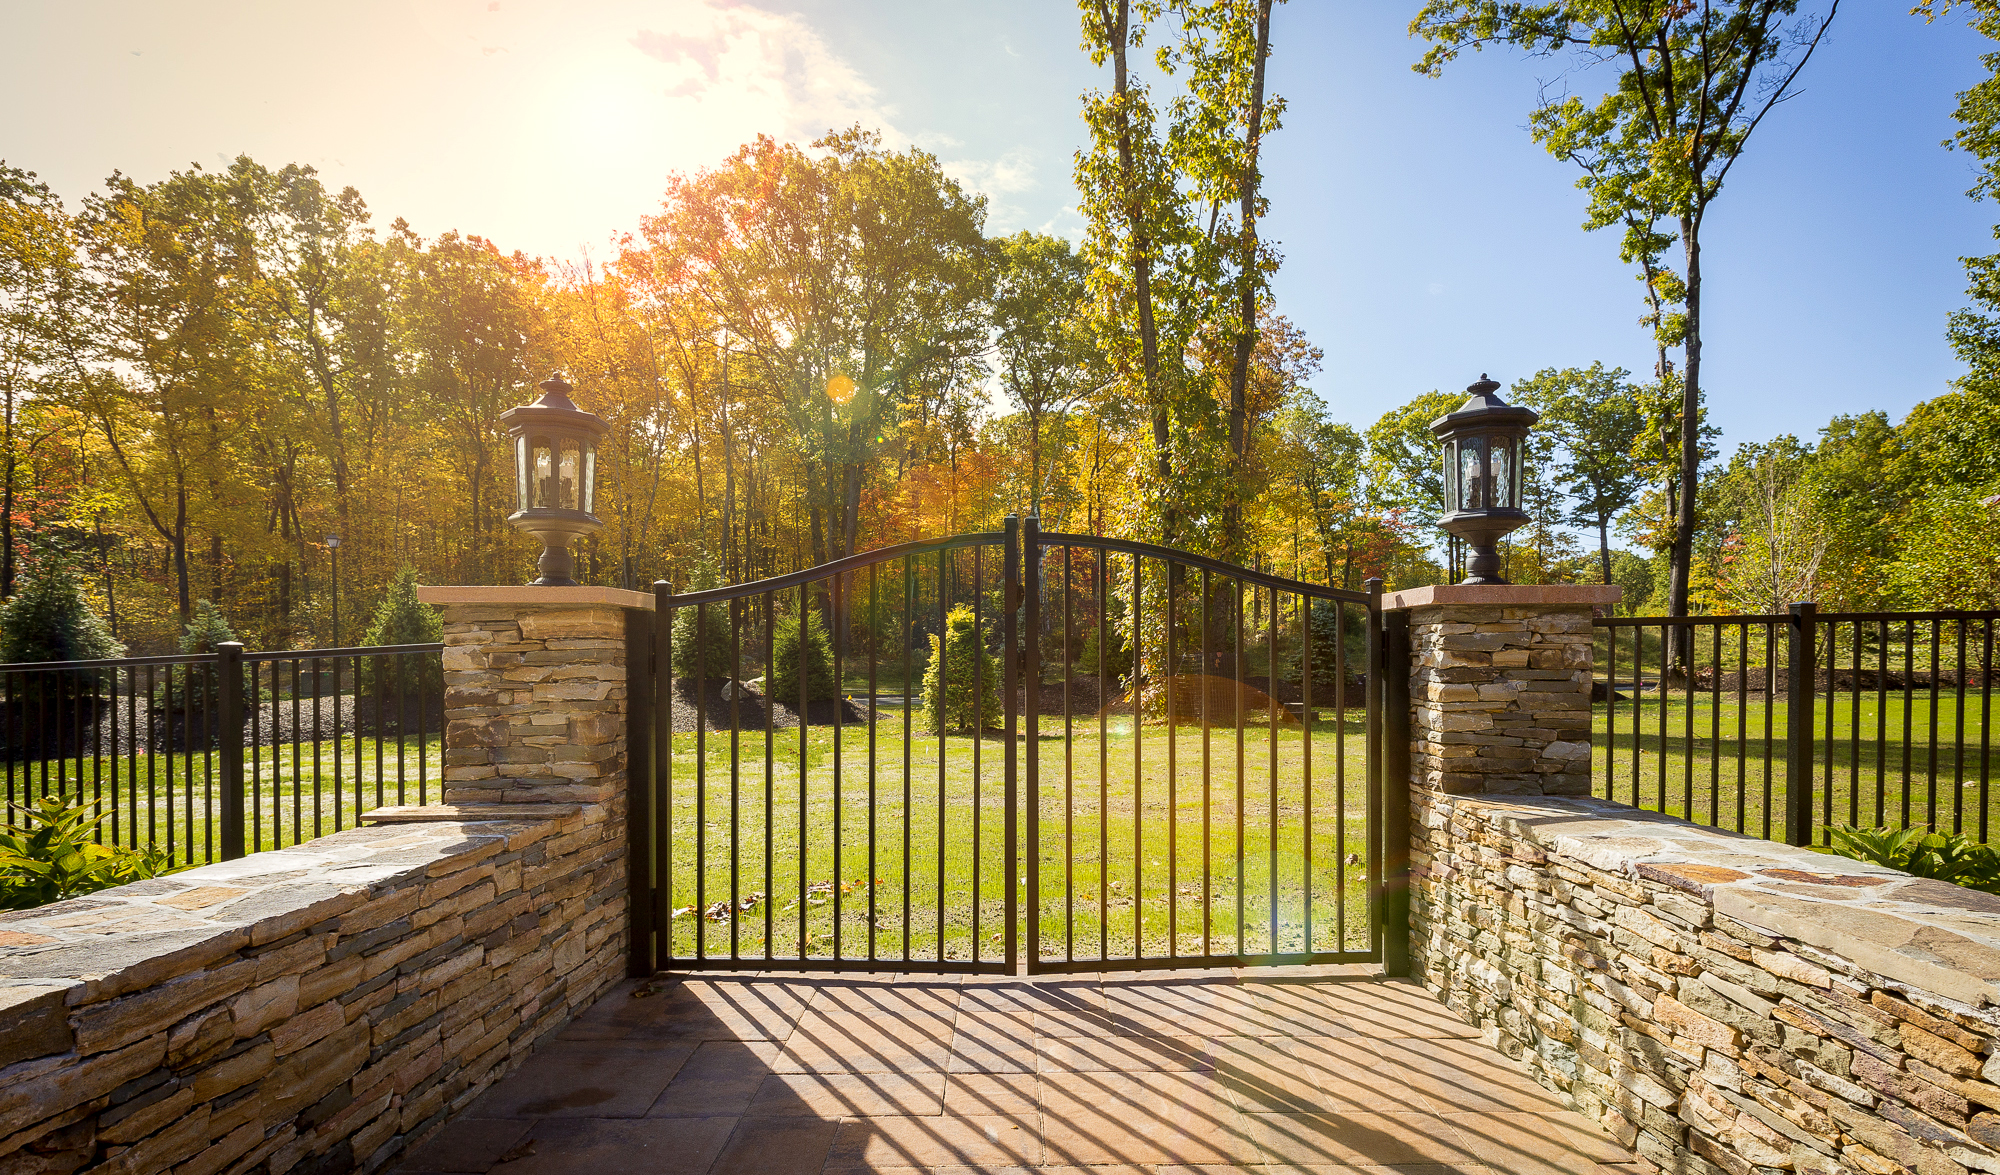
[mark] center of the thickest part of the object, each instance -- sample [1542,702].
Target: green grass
[1866,770]
[1115,880]
[174,800]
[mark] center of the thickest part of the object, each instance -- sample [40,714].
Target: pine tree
[783,683]
[187,686]
[704,655]
[402,619]
[948,682]
[49,620]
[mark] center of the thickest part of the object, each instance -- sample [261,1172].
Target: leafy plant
[50,855]
[1919,852]
[948,682]
[783,683]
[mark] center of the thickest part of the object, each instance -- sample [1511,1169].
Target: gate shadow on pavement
[1150,1073]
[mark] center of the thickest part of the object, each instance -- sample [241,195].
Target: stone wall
[1500,686]
[534,693]
[1720,1004]
[316,1009]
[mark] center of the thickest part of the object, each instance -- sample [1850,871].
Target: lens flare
[840,389]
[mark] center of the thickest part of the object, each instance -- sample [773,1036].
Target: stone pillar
[535,694]
[1500,687]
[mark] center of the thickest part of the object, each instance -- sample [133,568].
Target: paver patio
[1154,1073]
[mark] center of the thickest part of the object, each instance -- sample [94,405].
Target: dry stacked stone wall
[1502,698]
[534,703]
[1720,1004]
[316,1009]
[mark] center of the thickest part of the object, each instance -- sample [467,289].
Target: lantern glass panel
[1520,454]
[1503,472]
[568,475]
[544,470]
[521,472]
[1450,480]
[590,477]
[1472,473]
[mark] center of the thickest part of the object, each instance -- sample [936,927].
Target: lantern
[555,475]
[1483,442]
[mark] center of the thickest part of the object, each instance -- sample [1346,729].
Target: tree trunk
[1247,183]
[1142,270]
[180,548]
[1604,545]
[1690,466]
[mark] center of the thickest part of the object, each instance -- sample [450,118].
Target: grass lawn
[298,791]
[1133,869]
[1890,761]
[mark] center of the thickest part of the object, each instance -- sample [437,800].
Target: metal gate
[1040,752]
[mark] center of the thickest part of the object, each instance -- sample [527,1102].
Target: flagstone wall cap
[523,594]
[1506,595]
[1929,934]
[467,813]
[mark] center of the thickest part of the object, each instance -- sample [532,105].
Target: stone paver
[1191,1073]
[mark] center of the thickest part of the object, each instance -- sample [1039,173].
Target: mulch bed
[690,701]
[127,726]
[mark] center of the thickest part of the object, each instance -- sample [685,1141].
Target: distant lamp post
[555,476]
[333,545]
[1483,440]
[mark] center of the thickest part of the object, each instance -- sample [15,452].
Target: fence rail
[209,756]
[1784,726]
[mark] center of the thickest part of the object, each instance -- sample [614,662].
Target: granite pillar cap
[522,595]
[1506,595]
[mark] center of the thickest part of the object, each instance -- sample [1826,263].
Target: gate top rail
[1786,618]
[854,562]
[1155,551]
[212,658]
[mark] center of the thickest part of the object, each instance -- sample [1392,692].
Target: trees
[851,283]
[1695,78]
[1975,333]
[1217,141]
[1046,364]
[40,284]
[1139,240]
[1593,416]
[169,262]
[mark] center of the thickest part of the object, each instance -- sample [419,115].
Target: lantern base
[1485,568]
[556,566]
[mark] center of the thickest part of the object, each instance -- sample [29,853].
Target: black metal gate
[1033,751]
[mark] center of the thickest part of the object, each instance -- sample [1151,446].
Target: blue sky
[1426,238]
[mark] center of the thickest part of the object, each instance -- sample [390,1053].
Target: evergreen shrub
[782,683]
[402,619]
[49,620]
[704,654]
[948,680]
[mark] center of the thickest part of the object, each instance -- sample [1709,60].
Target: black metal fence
[1784,726]
[1064,750]
[213,755]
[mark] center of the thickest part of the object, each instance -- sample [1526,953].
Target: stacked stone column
[535,693]
[1500,687]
